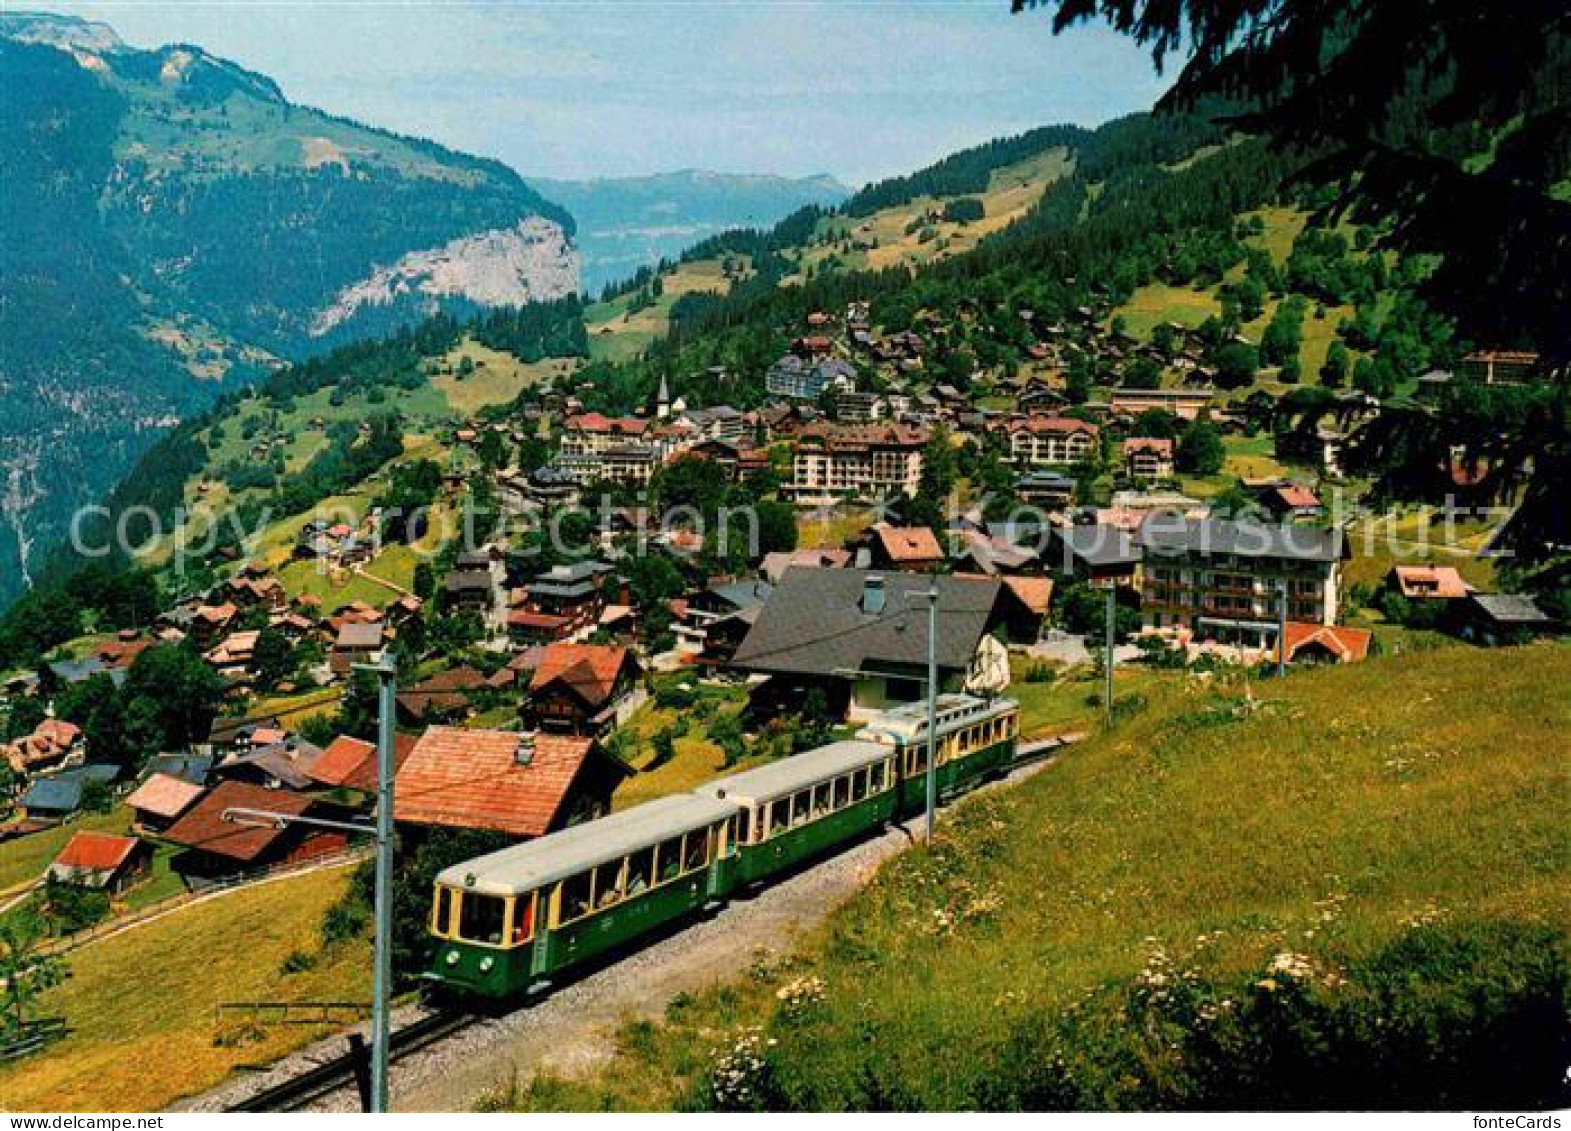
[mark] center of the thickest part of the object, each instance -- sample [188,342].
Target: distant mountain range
[173,224]
[625,223]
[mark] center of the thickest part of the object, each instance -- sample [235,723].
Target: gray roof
[1096,545]
[791,774]
[62,792]
[814,622]
[1169,534]
[1516,608]
[530,866]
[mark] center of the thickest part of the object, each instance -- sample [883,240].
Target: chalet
[101,861]
[1052,441]
[582,688]
[1495,619]
[473,584]
[909,549]
[52,744]
[1049,489]
[282,764]
[61,794]
[716,619]
[1148,457]
[209,622]
[519,784]
[1289,502]
[356,643]
[443,696]
[1097,554]
[992,556]
[1427,583]
[162,800]
[1326,643]
[775,563]
[215,848]
[861,637]
[231,657]
[563,602]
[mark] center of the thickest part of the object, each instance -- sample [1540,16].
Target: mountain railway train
[513,919]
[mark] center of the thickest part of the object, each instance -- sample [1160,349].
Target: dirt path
[570,1031]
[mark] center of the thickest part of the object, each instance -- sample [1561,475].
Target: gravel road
[571,1030]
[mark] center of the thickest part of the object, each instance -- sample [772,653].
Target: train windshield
[480,918]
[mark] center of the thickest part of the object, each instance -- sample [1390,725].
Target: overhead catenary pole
[1281,631]
[932,708]
[1107,660]
[382,974]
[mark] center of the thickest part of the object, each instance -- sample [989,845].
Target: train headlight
[486,963]
[452,958]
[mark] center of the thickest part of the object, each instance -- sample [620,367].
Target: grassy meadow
[1320,819]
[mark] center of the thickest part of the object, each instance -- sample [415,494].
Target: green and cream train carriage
[515,918]
[976,741]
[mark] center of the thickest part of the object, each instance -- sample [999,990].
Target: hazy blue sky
[573,88]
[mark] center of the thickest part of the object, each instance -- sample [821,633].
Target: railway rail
[311,1085]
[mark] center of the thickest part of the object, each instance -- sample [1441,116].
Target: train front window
[480,918]
[442,912]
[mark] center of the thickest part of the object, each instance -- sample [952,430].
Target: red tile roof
[1152,444]
[1349,645]
[164,795]
[363,778]
[909,543]
[96,852]
[338,763]
[472,779]
[590,670]
[1295,496]
[1442,582]
[596,422]
[204,828]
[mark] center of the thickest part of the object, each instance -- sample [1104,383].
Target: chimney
[525,753]
[873,597]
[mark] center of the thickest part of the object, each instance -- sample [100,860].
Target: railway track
[311,1085]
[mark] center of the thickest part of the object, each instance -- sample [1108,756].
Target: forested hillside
[174,225]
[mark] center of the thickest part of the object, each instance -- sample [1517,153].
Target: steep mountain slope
[173,222]
[625,223]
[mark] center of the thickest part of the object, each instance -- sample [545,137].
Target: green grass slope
[1354,892]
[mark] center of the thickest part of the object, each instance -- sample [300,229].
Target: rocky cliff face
[534,261]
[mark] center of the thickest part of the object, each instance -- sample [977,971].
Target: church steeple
[663,400]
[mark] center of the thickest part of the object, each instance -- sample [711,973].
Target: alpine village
[1178,501]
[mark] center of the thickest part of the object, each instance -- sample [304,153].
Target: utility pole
[382,975]
[1107,665]
[932,708]
[1281,631]
[382,961]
